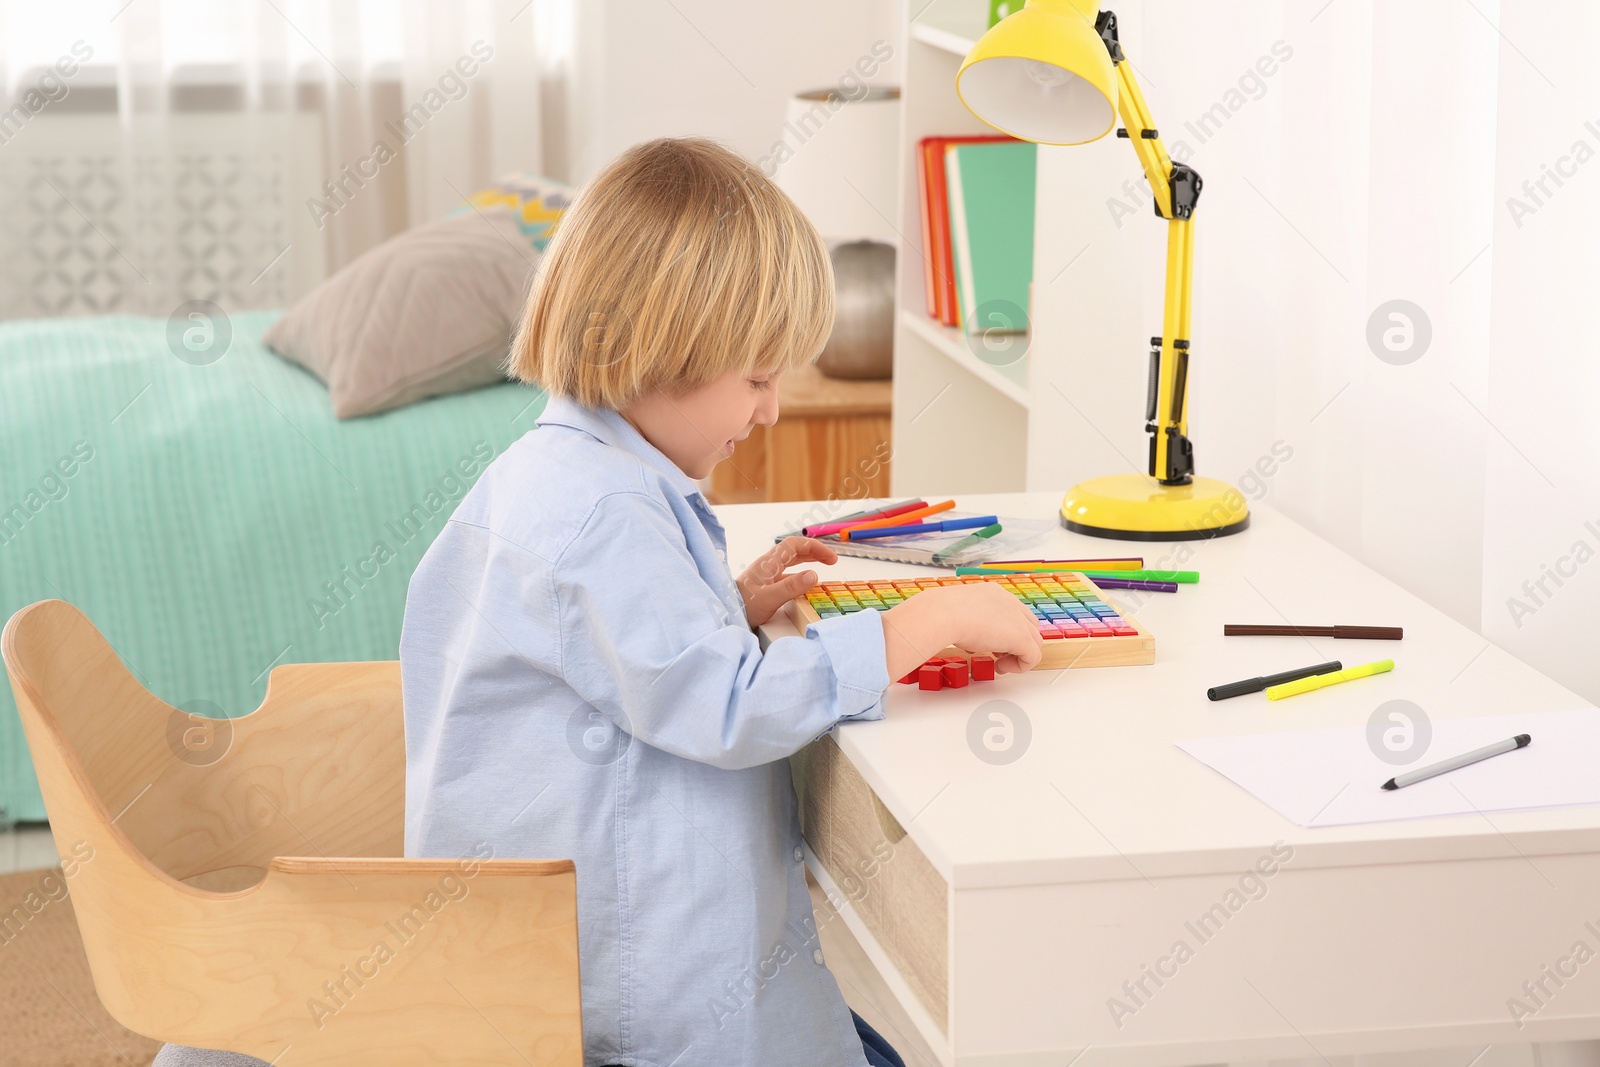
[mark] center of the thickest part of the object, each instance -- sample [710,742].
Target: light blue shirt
[580,681]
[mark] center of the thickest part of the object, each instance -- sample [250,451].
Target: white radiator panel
[204,206]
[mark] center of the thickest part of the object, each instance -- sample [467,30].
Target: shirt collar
[612,429]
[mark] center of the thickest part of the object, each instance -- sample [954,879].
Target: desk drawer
[891,885]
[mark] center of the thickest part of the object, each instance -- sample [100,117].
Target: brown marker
[1350,633]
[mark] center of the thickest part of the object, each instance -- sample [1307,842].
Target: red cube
[955,673]
[928,677]
[983,668]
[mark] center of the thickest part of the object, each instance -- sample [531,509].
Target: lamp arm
[1176,189]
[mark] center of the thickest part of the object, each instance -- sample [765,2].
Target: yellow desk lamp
[1055,73]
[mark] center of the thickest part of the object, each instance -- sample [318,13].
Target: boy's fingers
[799,582]
[789,547]
[802,549]
[792,550]
[1025,654]
[770,566]
[820,551]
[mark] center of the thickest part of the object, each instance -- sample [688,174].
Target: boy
[580,675]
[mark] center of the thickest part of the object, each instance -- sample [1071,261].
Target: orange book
[938,265]
[930,282]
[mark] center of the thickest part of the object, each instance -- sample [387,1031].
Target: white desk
[1065,874]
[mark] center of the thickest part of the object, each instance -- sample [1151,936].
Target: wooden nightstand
[832,439]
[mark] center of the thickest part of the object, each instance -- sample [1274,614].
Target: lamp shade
[838,161]
[1043,74]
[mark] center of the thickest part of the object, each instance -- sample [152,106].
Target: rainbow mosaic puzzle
[1080,626]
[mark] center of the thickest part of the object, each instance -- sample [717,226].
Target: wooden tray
[1059,653]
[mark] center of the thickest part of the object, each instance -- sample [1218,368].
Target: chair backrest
[337,946]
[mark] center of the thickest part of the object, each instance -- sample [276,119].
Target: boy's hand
[978,617]
[764,585]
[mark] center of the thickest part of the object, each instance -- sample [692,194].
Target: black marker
[1256,685]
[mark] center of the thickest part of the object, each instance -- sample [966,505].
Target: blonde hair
[678,263]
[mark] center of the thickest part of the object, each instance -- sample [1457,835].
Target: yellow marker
[1132,564]
[1317,681]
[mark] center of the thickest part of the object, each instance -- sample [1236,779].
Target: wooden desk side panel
[890,883]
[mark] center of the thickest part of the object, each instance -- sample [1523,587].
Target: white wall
[1372,164]
[713,68]
[1542,490]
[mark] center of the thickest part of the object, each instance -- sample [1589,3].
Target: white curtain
[166,150]
[1365,166]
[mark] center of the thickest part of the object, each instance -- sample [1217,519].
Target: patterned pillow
[537,203]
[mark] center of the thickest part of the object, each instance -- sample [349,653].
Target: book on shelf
[939,284]
[990,191]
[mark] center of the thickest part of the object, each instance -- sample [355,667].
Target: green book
[990,187]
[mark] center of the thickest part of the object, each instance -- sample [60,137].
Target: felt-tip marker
[952,551]
[1256,685]
[1319,681]
[822,529]
[920,527]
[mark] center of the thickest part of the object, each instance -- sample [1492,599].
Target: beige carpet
[49,1013]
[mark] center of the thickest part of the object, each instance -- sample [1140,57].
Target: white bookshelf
[960,420]
[1009,378]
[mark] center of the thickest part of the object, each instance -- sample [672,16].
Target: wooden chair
[336,949]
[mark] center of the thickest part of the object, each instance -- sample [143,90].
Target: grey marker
[846,518]
[1510,744]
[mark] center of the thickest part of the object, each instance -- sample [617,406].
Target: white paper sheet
[1332,778]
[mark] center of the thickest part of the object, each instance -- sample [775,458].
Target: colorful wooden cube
[1067,605]
[955,673]
[930,678]
[983,668]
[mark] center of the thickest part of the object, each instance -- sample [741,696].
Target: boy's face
[697,430]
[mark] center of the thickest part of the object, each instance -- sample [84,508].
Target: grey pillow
[430,311]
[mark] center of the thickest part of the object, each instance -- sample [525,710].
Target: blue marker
[923,527]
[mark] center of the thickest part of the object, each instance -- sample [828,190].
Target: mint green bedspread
[215,521]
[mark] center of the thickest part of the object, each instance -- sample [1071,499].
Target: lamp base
[1137,507]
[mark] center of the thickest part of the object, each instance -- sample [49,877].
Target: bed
[216,520]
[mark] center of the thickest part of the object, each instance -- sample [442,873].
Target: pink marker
[824,529]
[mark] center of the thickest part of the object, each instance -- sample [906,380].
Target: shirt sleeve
[647,641]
